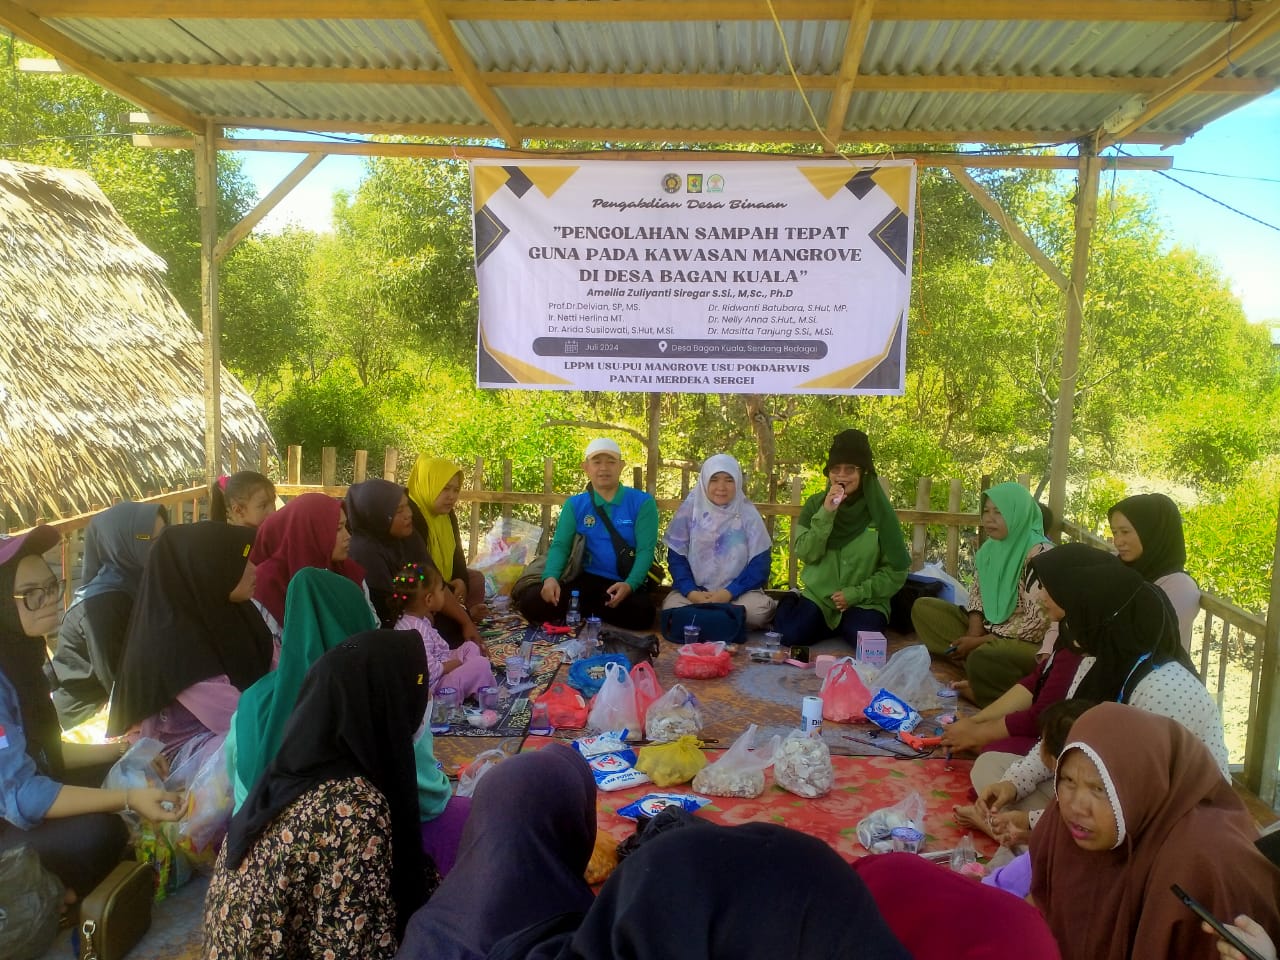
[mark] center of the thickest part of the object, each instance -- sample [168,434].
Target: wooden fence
[1227,638]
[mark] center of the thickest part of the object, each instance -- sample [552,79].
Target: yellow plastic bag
[670,763]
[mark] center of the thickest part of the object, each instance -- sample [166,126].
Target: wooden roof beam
[265,205]
[1015,232]
[855,42]
[436,22]
[36,31]
[1133,11]
[449,151]
[865,82]
[1239,39]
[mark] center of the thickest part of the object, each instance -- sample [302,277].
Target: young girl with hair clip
[243,499]
[417,596]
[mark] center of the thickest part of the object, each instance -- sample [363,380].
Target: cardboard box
[873,648]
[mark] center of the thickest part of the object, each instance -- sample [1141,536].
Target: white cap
[602,445]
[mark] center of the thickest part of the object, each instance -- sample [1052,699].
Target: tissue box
[873,648]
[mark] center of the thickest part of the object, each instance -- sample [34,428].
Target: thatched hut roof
[101,381]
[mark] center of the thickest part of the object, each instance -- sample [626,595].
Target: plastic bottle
[574,617]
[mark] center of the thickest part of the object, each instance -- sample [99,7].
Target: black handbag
[636,648]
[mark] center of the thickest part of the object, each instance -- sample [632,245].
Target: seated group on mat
[301,647]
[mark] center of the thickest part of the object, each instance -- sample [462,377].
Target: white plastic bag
[874,829]
[507,546]
[476,769]
[614,707]
[909,676]
[673,715]
[802,765]
[740,771]
[953,591]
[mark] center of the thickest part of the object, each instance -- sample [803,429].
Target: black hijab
[356,715]
[184,629]
[1158,524]
[712,892]
[1112,614]
[22,661]
[371,506]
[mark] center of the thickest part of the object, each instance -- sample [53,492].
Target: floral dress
[317,883]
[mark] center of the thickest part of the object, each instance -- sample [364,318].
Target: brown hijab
[1178,821]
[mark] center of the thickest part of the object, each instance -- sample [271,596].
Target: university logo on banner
[713,276]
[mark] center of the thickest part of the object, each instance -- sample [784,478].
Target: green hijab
[999,562]
[867,506]
[322,608]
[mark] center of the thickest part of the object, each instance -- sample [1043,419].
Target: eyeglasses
[37,598]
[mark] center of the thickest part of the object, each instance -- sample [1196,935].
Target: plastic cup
[691,633]
[487,698]
[517,669]
[906,840]
[539,717]
[501,605]
[773,639]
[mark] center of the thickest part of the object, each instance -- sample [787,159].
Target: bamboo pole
[1262,764]
[652,446]
[206,157]
[477,484]
[793,565]
[1064,410]
[328,467]
[919,532]
[295,464]
[548,487]
[264,459]
[954,492]
[360,469]
[506,486]
[390,460]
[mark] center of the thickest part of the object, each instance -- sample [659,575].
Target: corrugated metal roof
[731,51]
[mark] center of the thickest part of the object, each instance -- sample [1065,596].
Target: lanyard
[1132,670]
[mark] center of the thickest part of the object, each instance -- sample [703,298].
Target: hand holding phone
[1220,928]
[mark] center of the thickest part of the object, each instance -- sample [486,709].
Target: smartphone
[1219,927]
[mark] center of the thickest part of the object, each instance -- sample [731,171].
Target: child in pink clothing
[417,595]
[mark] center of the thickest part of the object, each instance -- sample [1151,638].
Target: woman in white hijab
[718,547]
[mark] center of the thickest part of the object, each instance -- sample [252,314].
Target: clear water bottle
[573,618]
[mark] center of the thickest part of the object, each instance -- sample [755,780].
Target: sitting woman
[419,597]
[1147,532]
[308,531]
[1010,723]
[323,609]
[243,499]
[1142,805]
[91,638]
[324,858]
[195,641]
[48,795]
[383,540]
[1003,630]
[1128,634]
[850,543]
[718,546]
[434,485]
[534,815]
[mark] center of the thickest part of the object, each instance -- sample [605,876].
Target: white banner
[706,276]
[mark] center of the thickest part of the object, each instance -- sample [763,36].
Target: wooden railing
[1226,640]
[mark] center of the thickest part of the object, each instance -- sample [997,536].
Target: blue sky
[1240,150]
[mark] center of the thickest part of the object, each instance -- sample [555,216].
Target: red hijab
[300,534]
[1178,821]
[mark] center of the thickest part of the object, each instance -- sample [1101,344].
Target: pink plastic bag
[648,689]
[844,695]
[703,661]
[614,707]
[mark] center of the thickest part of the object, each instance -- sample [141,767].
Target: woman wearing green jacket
[850,544]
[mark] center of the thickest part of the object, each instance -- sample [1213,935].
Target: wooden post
[548,486]
[1064,411]
[920,532]
[328,467]
[651,448]
[206,160]
[477,484]
[506,486]
[1261,762]
[793,565]
[294,474]
[264,459]
[390,460]
[953,529]
[233,459]
[64,559]
[360,470]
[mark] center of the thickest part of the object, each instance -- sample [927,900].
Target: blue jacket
[25,794]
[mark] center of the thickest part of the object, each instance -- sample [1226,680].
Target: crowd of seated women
[303,645]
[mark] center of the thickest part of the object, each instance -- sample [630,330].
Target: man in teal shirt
[615,563]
